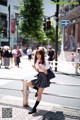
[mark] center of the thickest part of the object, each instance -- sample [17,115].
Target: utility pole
[9,10]
[56,40]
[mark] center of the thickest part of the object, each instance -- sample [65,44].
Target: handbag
[50,74]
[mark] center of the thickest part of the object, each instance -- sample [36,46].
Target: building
[71,32]
[9,11]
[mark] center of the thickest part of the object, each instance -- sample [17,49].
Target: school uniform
[42,80]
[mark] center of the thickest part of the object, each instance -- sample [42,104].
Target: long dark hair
[41,52]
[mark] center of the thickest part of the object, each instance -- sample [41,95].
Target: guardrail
[68,64]
[25,90]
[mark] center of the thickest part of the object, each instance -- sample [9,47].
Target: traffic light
[48,25]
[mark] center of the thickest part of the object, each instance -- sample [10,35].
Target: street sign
[65,23]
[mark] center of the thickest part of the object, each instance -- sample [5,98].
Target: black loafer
[36,94]
[32,111]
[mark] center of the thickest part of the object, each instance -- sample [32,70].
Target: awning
[72,14]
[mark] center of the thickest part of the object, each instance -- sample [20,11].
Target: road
[27,72]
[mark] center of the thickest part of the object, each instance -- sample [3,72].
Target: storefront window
[3,2]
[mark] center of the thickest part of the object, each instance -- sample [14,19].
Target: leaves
[32,13]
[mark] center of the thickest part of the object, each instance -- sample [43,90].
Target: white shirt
[45,66]
[29,52]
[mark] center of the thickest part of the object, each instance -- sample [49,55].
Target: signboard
[65,23]
[13,24]
[4,39]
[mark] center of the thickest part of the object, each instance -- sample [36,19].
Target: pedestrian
[41,82]
[11,56]
[73,58]
[51,54]
[18,55]
[29,53]
[6,58]
[14,54]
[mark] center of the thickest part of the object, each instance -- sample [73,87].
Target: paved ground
[11,108]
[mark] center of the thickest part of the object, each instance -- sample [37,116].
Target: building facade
[71,32]
[9,12]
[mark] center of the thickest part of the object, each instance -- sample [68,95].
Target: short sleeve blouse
[45,66]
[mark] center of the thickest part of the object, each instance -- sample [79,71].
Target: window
[3,2]
[16,7]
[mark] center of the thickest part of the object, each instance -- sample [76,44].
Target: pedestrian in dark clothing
[6,58]
[18,55]
[51,54]
[42,81]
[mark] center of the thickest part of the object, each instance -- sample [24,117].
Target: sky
[49,8]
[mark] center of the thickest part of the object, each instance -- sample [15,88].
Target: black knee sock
[34,108]
[36,104]
[36,88]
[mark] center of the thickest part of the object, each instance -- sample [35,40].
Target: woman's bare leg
[40,91]
[29,84]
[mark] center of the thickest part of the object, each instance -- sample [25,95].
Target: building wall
[14,10]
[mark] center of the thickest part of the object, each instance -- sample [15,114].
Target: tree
[51,35]
[32,13]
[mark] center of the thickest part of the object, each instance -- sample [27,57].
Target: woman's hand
[33,66]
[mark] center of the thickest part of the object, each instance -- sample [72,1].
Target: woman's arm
[35,68]
[43,69]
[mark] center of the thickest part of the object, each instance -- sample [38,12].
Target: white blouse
[45,66]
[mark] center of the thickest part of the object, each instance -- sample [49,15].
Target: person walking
[29,53]
[42,81]
[51,54]
[6,58]
[18,55]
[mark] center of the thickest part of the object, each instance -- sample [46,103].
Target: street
[27,72]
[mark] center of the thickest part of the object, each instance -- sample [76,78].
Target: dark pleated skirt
[42,81]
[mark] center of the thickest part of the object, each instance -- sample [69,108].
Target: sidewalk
[66,67]
[11,108]
[62,66]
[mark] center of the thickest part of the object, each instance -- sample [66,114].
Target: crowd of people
[9,56]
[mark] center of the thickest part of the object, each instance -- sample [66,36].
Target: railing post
[25,94]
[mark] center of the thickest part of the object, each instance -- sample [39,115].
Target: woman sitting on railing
[42,81]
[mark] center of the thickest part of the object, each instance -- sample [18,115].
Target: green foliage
[51,34]
[32,13]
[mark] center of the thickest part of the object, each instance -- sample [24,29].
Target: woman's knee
[28,83]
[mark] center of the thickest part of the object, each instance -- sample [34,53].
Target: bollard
[25,94]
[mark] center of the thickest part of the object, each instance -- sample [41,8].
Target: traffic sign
[65,22]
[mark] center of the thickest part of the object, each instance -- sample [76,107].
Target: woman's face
[38,56]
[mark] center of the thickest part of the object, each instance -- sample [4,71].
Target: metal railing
[25,90]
